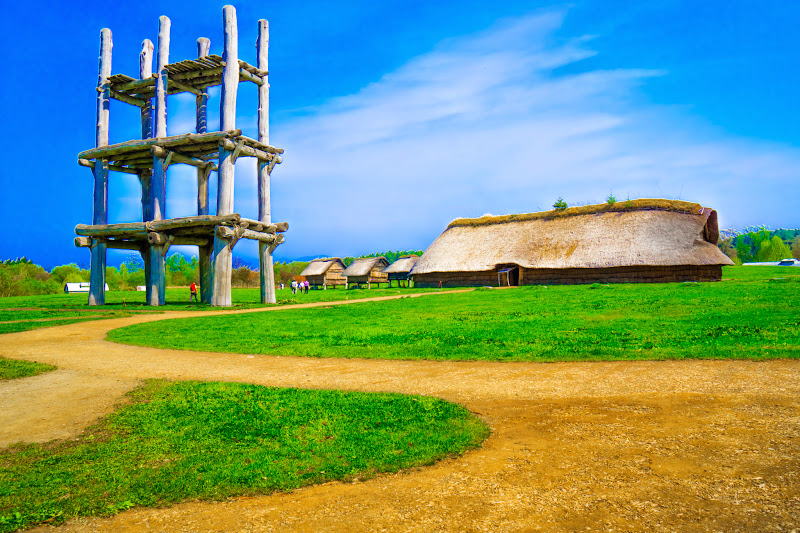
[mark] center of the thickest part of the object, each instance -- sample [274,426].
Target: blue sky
[398,117]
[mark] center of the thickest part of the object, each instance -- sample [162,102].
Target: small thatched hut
[399,270]
[633,241]
[325,272]
[367,270]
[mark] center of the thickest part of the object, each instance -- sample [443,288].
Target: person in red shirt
[193,290]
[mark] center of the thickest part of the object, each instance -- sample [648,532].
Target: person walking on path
[193,292]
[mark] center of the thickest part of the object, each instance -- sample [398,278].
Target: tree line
[22,277]
[759,244]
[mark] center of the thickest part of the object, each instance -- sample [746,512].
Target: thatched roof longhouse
[658,233]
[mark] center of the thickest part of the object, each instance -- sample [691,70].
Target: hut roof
[649,232]
[363,266]
[317,267]
[403,264]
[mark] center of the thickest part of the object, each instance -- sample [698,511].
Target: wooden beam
[155,237]
[161,83]
[167,161]
[106,44]
[201,101]
[230,146]
[183,87]
[105,230]
[197,74]
[222,262]
[265,260]
[136,86]
[204,220]
[206,287]
[171,157]
[238,232]
[138,145]
[97,276]
[237,150]
[249,76]
[266,227]
[115,168]
[156,283]
[250,68]
[129,99]
[166,246]
[146,71]
[145,175]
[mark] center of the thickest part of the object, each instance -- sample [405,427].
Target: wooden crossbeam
[141,144]
[184,87]
[117,168]
[171,156]
[138,102]
[237,150]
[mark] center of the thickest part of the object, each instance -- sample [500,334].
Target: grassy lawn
[198,440]
[754,313]
[12,369]
[73,307]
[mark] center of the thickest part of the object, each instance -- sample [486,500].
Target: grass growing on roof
[199,440]
[13,369]
[754,314]
[642,204]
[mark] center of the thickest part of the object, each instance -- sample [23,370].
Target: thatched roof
[403,264]
[364,265]
[317,267]
[636,232]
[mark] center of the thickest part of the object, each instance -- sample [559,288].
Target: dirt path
[622,446]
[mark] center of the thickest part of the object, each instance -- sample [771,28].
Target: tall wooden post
[227,121]
[158,180]
[266,272]
[97,280]
[144,175]
[205,252]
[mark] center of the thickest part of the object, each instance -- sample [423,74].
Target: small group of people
[300,286]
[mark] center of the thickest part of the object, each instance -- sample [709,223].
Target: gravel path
[618,446]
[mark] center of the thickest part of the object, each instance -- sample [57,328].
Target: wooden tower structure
[151,156]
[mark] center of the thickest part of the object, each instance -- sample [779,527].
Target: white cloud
[489,123]
[494,122]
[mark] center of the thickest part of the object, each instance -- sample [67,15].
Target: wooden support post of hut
[97,280]
[150,158]
[367,270]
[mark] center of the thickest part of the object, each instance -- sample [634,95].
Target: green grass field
[23,313]
[196,440]
[754,313]
[13,369]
